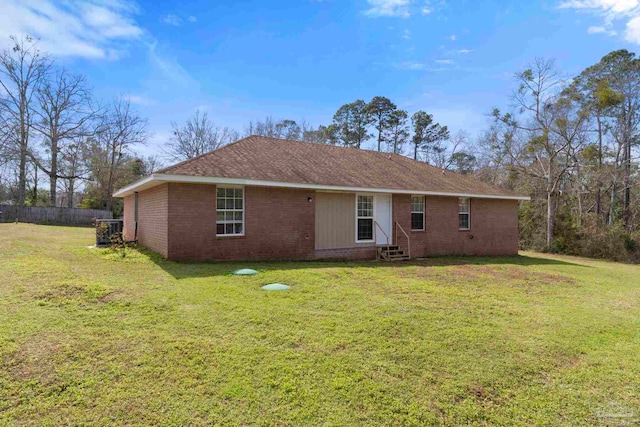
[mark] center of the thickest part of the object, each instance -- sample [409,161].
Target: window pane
[365,205]
[464,205]
[417,221]
[464,221]
[417,204]
[365,229]
[229,211]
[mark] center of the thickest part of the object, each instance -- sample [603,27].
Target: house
[268,198]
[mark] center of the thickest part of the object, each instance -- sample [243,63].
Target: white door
[382,215]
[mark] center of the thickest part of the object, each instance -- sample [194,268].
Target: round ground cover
[275,287]
[245,272]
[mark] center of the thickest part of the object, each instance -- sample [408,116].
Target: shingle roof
[280,160]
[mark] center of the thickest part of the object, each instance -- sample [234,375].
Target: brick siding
[179,221]
[152,218]
[128,217]
[279,224]
[494,227]
[354,253]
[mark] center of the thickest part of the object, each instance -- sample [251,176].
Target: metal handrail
[375,234]
[406,235]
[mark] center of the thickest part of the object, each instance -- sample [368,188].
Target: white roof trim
[157,179]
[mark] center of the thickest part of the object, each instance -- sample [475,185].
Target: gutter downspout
[135,216]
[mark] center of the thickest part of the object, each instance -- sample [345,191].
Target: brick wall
[279,224]
[178,221]
[128,217]
[353,253]
[152,218]
[494,227]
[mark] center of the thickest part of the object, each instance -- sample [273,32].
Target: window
[464,213]
[364,218]
[229,211]
[417,212]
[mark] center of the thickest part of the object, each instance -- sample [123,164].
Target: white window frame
[468,213]
[424,208]
[244,211]
[372,217]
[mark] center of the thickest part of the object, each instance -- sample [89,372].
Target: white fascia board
[157,179]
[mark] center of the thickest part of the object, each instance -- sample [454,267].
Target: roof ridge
[186,161]
[280,159]
[334,146]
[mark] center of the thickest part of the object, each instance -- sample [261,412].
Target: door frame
[375,216]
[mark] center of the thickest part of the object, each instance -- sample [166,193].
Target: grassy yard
[88,338]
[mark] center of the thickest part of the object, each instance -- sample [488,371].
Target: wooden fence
[53,216]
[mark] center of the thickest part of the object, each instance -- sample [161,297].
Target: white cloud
[464,51]
[419,66]
[453,37]
[89,29]
[174,20]
[390,8]
[610,11]
[193,19]
[406,34]
[169,67]
[140,100]
[596,30]
[427,8]
[607,6]
[444,61]
[411,66]
[632,32]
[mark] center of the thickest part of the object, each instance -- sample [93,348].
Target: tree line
[60,145]
[53,129]
[571,143]
[354,124]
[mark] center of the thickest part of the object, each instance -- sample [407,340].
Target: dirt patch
[113,296]
[66,293]
[35,358]
[510,276]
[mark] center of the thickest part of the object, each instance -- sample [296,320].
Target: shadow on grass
[185,270]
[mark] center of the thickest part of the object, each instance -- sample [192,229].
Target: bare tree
[197,136]
[120,128]
[453,155]
[73,166]
[64,111]
[286,128]
[541,145]
[23,69]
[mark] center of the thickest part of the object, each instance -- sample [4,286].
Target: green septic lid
[245,272]
[275,287]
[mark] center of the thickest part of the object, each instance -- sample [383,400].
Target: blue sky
[244,60]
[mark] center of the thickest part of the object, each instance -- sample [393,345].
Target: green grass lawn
[89,338]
